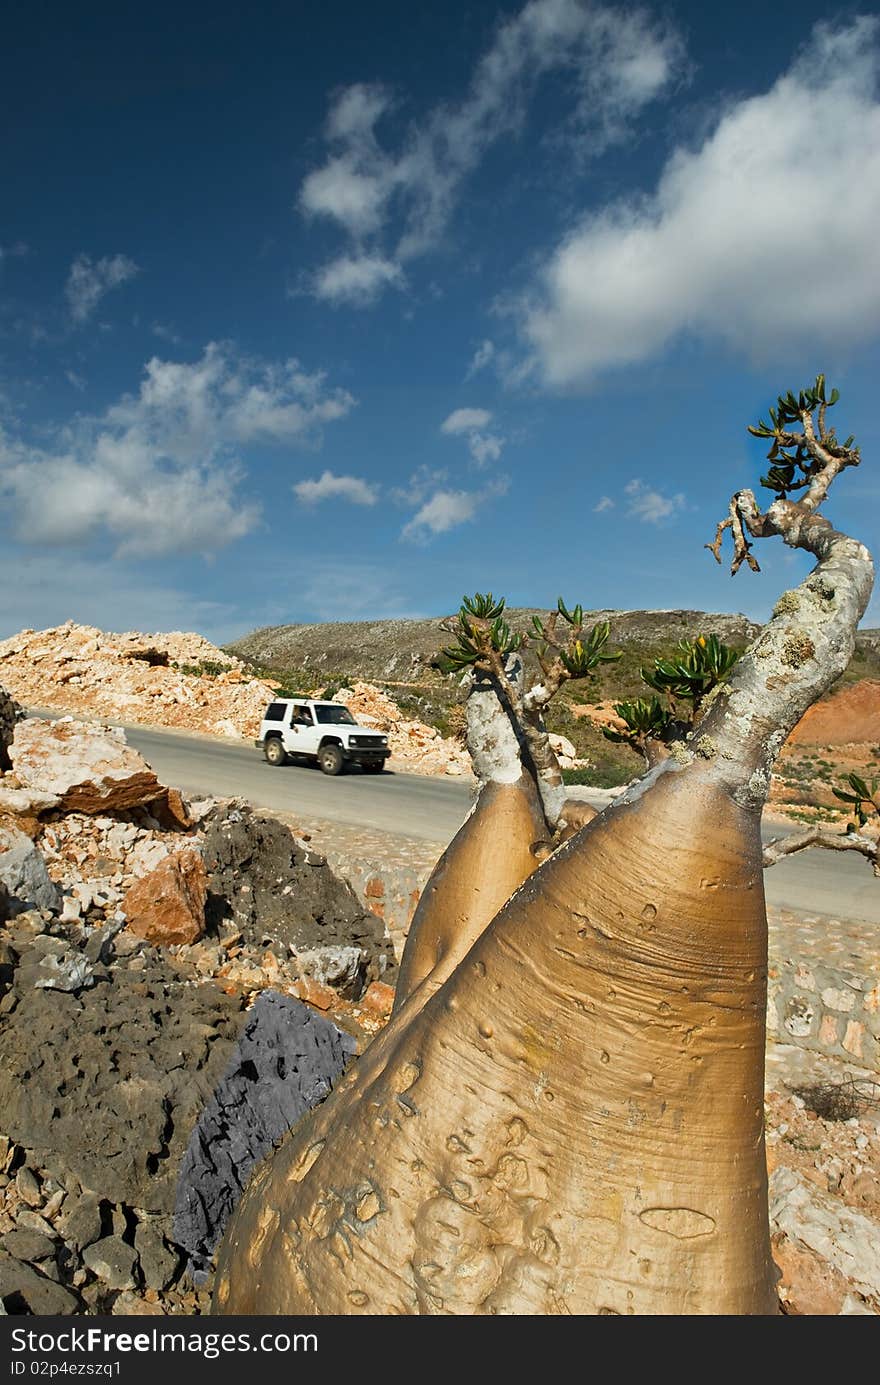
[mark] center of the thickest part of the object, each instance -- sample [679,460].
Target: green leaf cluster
[699,665]
[582,656]
[481,628]
[792,464]
[689,675]
[862,798]
[646,719]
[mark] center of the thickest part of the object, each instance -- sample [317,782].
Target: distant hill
[382,650]
[400,651]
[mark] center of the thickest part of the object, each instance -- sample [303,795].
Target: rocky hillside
[401,650]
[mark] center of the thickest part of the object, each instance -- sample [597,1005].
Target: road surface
[432,809]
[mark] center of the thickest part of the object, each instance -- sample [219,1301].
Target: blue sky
[337,312]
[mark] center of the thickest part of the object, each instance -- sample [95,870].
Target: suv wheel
[274,751]
[376,767]
[330,759]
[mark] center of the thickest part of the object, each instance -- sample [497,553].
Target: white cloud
[610,62]
[423,480]
[89,280]
[482,357]
[328,486]
[465,420]
[160,472]
[447,509]
[605,503]
[356,280]
[484,447]
[763,236]
[648,505]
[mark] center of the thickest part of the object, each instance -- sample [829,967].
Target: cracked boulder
[74,766]
[286,1062]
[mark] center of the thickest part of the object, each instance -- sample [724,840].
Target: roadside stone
[32,1246]
[313,993]
[159,1264]
[132,1305]
[23,872]
[845,1238]
[113,1262]
[43,1297]
[10,712]
[29,1220]
[81,767]
[168,905]
[28,1186]
[340,968]
[260,883]
[379,998]
[82,1225]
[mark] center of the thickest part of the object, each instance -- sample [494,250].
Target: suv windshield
[337,715]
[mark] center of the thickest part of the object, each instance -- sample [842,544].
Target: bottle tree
[565,1112]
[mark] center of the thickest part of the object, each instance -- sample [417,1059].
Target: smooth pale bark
[573,1121]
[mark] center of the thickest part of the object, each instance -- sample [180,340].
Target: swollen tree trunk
[573,1121]
[490,856]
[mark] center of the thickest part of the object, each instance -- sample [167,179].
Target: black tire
[330,759]
[375,768]
[274,751]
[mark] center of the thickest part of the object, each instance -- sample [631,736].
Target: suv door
[303,734]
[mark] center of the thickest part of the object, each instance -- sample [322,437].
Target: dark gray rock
[23,872]
[286,1062]
[105,1087]
[23,1289]
[10,712]
[259,879]
[159,1263]
[28,1245]
[113,1261]
[83,1223]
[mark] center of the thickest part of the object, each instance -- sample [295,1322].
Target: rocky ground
[136,933]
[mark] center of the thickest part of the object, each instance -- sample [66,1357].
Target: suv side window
[275,711]
[302,716]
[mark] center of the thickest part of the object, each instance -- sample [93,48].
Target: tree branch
[780,847]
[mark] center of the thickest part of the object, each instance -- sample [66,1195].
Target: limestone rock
[81,768]
[168,905]
[847,1241]
[25,877]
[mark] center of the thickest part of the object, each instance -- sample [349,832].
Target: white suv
[322,731]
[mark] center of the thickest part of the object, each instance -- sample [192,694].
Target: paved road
[431,809]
